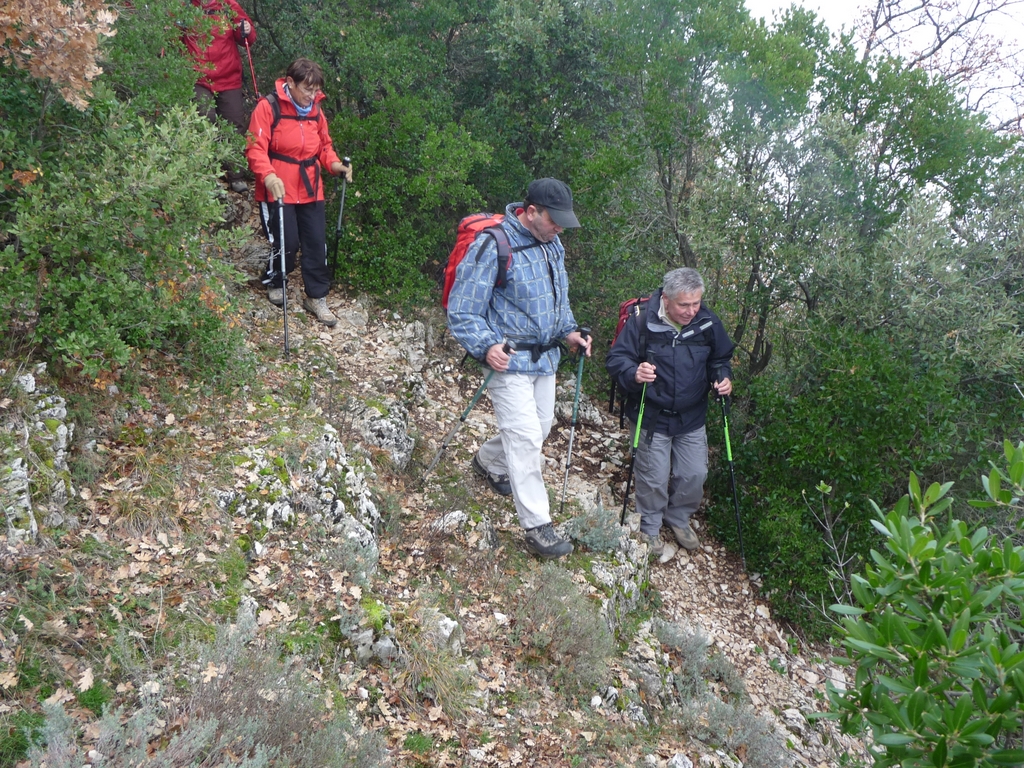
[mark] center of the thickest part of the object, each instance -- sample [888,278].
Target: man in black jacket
[680,350]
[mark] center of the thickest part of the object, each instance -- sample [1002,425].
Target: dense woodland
[857,212]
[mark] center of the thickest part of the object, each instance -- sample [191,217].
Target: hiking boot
[654,544]
[500,484]
[319,308]
[239,186]
[685,536]
[543,542]
[276,296]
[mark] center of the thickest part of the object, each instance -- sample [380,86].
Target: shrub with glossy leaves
[935,637]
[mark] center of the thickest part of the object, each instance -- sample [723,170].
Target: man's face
[682,307]
[540,224]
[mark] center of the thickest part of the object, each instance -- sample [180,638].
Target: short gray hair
[682,280]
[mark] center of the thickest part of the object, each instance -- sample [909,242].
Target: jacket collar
[513,222]
[656,325]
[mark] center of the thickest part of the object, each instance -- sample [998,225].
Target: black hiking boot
[500,484]
[543,542]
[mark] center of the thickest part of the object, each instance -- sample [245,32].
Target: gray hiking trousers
[669,474]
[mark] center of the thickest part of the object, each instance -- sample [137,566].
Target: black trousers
[230,106]
[304,228]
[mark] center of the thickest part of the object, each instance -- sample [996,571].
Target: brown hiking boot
[686,536]
[318,307]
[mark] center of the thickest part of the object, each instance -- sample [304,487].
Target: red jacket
[305,141]
[216,54]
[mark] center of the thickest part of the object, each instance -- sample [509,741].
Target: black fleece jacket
[686,362]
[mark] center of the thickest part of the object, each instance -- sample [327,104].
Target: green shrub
[856,413]
[110,258]
[935,635]
[728,723]
[596,528]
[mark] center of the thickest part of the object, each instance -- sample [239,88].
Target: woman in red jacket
[219,88]
[288,145]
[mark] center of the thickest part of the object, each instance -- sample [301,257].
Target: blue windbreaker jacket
[531,308]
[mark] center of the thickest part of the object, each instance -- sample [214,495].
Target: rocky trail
[707,590]
[439,570]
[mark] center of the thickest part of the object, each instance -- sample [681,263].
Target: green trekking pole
[732,476]
[632,452]
[465,414]
[584,332]
[633,455]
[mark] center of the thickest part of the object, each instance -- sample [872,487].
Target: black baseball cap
[556,197]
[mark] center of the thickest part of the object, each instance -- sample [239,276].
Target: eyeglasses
[307,90]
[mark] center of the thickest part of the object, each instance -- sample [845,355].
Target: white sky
[843,14]
[835,13]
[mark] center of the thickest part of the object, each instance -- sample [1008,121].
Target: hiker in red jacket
[219,88]
[288,146]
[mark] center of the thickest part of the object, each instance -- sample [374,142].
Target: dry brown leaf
[85,682]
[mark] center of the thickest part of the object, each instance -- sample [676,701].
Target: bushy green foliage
[146,62]
[109,258]
[934,637]
[856,413]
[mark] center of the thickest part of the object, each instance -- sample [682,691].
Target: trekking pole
[632,451]
[732,476]
[284,275]
[252,71]
[508,348]
[584,333]
[341,210]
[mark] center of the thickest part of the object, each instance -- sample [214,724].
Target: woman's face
[302,93]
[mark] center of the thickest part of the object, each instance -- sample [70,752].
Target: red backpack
[468,229]
[627,309]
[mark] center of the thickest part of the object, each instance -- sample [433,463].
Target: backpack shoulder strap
[640,313]
[275,108]
[504,253]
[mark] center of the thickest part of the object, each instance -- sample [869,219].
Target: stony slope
[447,551]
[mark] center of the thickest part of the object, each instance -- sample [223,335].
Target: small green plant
[17,732]
[375,612]
[95,698]
[703,714]
[418,743]
[597,529]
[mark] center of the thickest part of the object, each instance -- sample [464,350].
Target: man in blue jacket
[531,313]
[680,350]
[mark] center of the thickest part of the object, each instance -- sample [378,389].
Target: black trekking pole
[508,348]
[632,451]
[584,333]
[333,265]
[284,275]
[732,476]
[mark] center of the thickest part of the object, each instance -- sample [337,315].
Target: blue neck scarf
[303,111]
